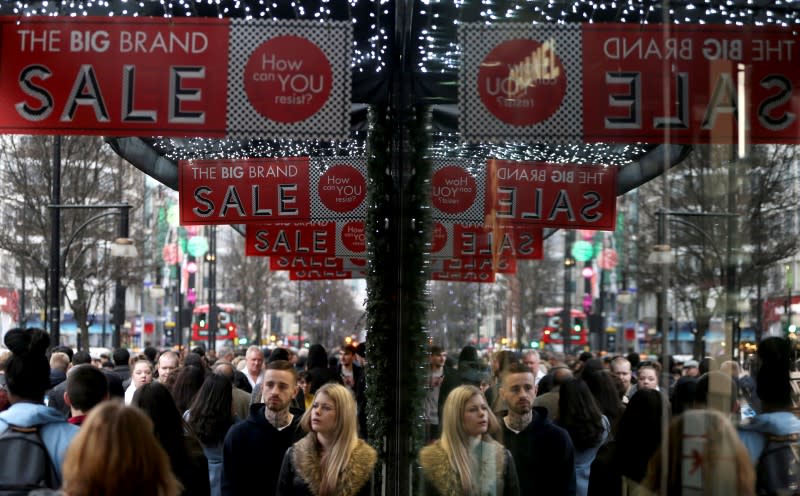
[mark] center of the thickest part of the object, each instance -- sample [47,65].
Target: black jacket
[252,454]
[544,456]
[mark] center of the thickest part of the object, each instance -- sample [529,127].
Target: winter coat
[55,431]
[441,479]
[753,430]
[301,472]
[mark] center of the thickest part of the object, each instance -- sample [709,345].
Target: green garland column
[397,233]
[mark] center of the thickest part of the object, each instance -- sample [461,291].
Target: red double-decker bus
[578,327]
[227,327]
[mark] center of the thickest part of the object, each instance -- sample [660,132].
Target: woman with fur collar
[466,460]
[331,459]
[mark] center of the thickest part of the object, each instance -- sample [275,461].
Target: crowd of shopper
[509,423]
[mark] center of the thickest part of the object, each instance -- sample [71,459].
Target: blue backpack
[25,464]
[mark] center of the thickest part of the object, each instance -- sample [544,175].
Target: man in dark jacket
[253,450]
[542,451]
[122,368]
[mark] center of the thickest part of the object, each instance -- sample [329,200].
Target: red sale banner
[303,262]
[521,242]
[113,76]
[569,196]
[502,265]
[241,191]
[309,239]
[619,83]
[316,275]
[462,276]
[148,76]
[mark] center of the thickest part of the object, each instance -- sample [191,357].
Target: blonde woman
[116,453]
[466,460]
[331,459]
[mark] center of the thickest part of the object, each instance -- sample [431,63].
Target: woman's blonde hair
[345,438]
[116,453]
[721,459]
[455,440]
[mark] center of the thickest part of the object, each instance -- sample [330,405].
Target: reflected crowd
[497,422]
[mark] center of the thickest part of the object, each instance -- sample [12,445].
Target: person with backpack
[38,436]
[772,437]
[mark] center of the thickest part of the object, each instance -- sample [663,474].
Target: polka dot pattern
[477,124]
[318,167]
[332,121]
[475,212]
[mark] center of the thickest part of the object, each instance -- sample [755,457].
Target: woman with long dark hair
[188,382]
[210,416]
[588,428]
[623,462]
[183,449]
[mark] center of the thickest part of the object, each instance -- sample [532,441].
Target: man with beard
[543,452]
[253,450]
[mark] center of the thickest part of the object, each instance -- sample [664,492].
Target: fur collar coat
[442,478]
[301,473]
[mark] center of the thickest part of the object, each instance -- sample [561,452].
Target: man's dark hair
[63,349]
[120,356]
[434,350]
[516,368]
[86,387]
[151,354]
[278,354]
[199,350]
[283,365]
[81,358]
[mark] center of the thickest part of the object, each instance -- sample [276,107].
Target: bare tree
[719,254]
[90,174]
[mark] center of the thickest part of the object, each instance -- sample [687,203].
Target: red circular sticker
[439,238]
[287,79]
[453,190]
[522,82]
[353,236]
[342,188]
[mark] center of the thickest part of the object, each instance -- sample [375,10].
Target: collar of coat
[438,471]
[354,476]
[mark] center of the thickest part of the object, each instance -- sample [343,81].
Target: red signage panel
[239,191]
[305,262]
[113,76]
[521,242]
[690,83]
[550,195]
[309,239]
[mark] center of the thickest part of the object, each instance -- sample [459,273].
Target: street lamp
[121,247]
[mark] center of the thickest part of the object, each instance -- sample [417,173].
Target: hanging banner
[262,190]
[549,195]
[520,242]
[624,83]
[243,190]
[305,262]
[154,76]
[309,239]
[317,275]
[500,265]
[463,276]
